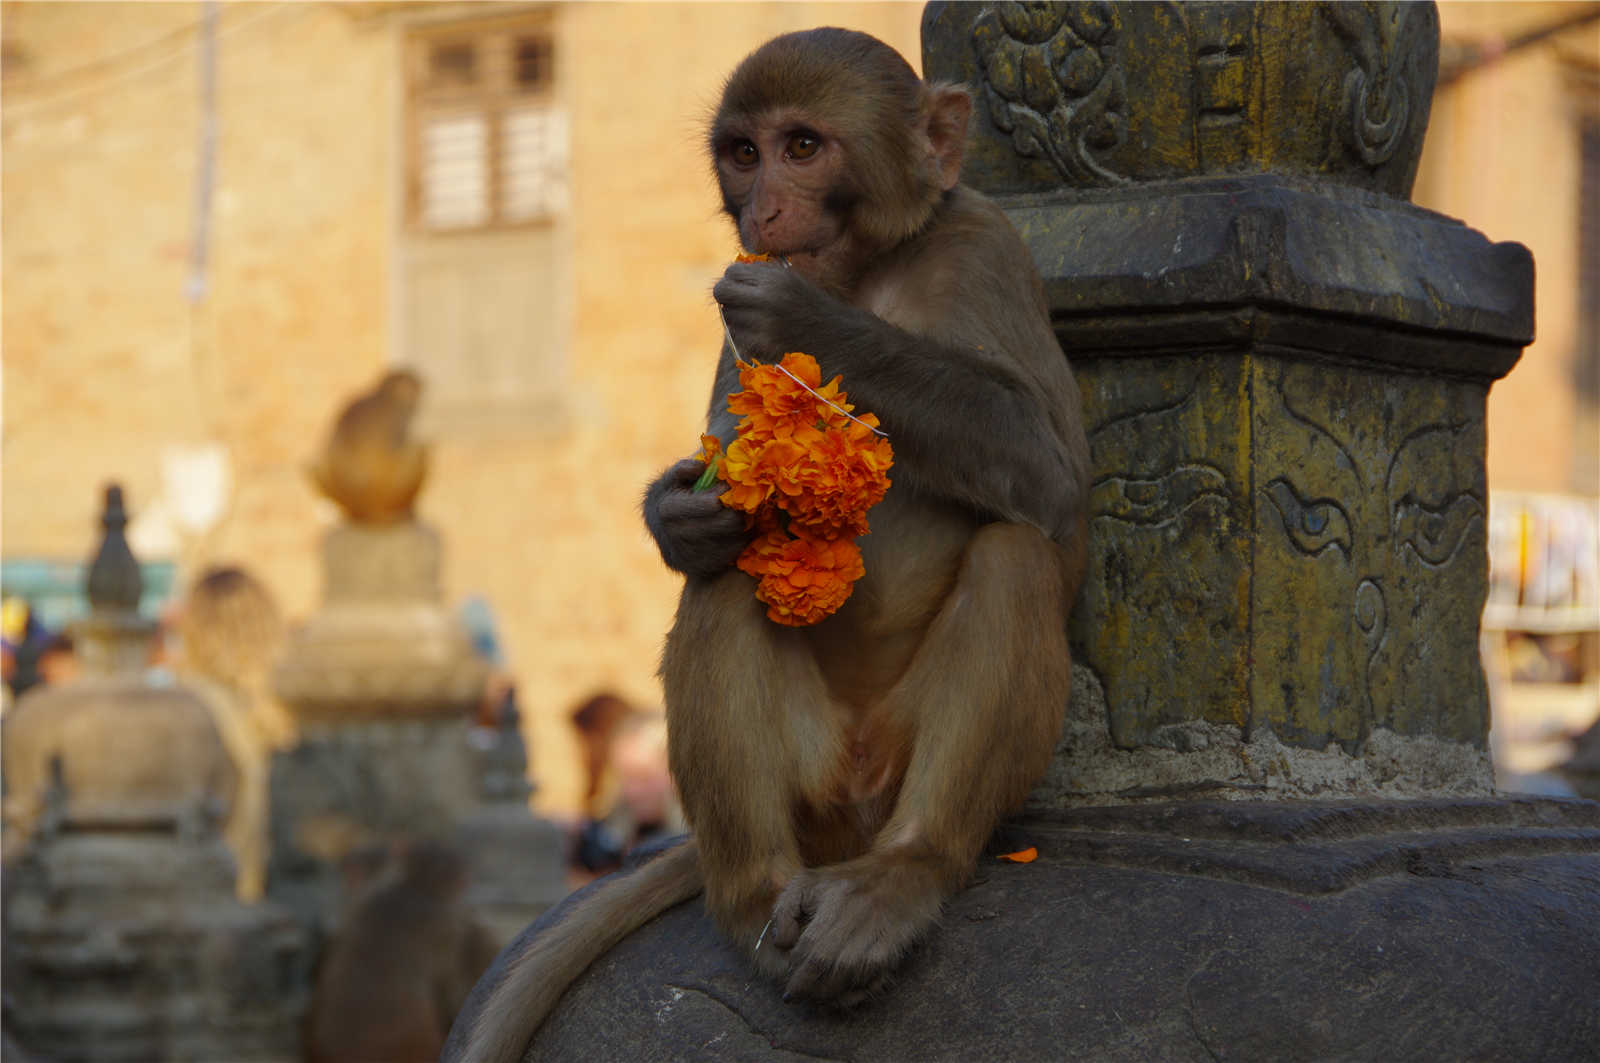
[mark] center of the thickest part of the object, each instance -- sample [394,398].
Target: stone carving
[1333,598]
[1156,505]
[1053,81]
[1372,511]
[1089,94]
[1377,99]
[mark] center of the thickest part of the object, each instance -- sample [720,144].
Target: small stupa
[388,695]
[123,938]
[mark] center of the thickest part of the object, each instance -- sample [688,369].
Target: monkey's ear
[949,107]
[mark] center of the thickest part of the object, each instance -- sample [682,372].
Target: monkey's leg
[984,696]
[750,732]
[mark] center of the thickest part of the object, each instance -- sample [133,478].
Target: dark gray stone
[1417,930]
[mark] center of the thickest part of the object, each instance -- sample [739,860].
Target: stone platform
[1408,930]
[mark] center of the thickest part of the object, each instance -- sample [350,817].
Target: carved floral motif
[1053,80]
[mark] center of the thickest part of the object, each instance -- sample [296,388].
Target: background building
[1513,148]
[221,221]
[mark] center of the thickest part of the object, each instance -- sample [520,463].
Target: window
[483,301]
[488,143]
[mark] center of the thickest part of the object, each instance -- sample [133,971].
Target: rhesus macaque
[842,779]
[370,466]
[393,977]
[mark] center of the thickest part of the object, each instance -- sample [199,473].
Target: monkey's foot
[844,929]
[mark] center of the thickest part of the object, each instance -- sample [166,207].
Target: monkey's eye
[745,153]
[802,146]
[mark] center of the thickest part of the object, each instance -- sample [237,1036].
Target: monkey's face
[784,183]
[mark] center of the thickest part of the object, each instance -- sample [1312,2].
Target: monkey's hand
[696,533]
[771,310]
[847,927]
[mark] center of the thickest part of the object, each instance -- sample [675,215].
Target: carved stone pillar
[1285,368]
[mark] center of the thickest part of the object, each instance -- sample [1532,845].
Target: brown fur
[842,779]
[391,981]
[370,466]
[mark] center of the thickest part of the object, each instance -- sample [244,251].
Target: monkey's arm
[696,534]
[968,421]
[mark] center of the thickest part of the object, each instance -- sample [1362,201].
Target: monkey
[841,780]
[370,467]
[391,980]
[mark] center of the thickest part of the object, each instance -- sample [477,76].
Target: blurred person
[629,798]
[231,633]
[497,708]
[57,660]
[25,638]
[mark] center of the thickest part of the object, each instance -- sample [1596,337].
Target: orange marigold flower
[775,402]
[807,472]
[842,479]
[759,470]
[802,579]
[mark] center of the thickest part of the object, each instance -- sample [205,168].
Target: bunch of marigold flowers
[807,471]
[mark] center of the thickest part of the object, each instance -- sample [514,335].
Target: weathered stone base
[1271,931]
[382,644]
[1202,759]
[364,782]
[131,947]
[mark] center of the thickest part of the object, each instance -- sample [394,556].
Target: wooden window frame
[496,96]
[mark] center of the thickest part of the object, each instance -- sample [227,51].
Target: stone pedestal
[1284,368]
[1186,933]
[128,945]
[385,685]
[383,645]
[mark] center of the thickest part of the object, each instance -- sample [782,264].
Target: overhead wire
[20,103]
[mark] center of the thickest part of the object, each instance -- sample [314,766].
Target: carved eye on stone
[1159,501]
[1313,525]
[1435,532]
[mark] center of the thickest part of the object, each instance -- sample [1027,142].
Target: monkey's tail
[534,982]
